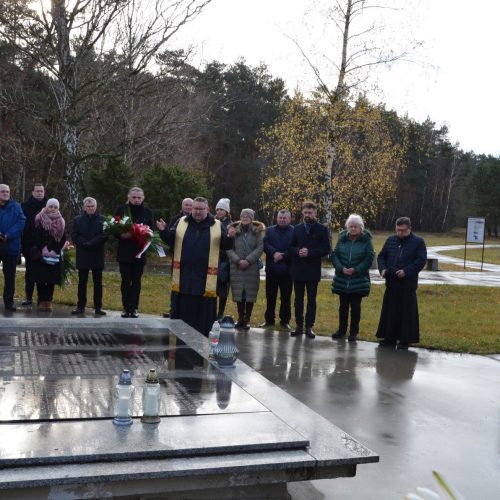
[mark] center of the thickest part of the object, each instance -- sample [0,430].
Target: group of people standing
[212,254]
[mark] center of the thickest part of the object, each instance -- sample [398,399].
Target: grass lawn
[453,318]
[491,255]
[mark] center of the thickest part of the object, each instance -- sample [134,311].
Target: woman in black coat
[88,237]
[48,241]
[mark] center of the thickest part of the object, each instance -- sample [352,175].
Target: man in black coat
[402,257]
[131,267]
[31,207]
[88,237]
[310,242]
[196,240]
[277,244]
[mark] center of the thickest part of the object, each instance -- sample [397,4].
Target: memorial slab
[231,432]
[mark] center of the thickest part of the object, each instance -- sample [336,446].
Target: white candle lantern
[151,399]
[123,399]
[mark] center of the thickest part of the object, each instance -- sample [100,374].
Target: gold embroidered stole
[213,257]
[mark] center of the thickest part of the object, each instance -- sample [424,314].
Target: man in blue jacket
[277,244]
[310,242]
[402,257]
[11,226]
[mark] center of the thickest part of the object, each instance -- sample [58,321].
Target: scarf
[53,223]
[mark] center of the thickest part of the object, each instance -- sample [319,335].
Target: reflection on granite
[67,374]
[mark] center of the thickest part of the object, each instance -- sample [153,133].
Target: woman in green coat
[352,258]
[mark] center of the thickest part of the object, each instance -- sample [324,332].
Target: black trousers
[312,289]
[284,283]
[131,274]
[353,301]
[29,284]
[45,291]
[83,278]
[9,263]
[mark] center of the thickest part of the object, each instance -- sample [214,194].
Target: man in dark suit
[310,242]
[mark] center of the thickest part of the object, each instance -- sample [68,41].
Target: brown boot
[45,306]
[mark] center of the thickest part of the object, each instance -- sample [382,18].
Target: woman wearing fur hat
[222,213]
[245,277]
[48,241]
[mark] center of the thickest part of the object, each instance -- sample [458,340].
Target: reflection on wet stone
[68,374]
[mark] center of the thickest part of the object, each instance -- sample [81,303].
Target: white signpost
[475,234]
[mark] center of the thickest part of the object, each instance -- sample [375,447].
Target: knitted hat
[249,212]
[52,202]
[223,203]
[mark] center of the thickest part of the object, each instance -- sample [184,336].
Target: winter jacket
[278,239]
[87,235]
[409,254]
[248,245]
[357,254]
[317,242]
[30,208]
[41,272]
[12,221]
[129,248]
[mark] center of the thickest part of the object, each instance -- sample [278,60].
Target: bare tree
[360,47]
[66,36]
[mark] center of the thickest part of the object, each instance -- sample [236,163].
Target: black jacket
[128,249]
[317,242]
[30,207]
[89,240]
[409,254]
[278,239]
[195,252]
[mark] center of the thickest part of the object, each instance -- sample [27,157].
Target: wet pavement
[419,410]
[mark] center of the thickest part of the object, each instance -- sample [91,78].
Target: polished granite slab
[59,454]
[182,436]
[66,373]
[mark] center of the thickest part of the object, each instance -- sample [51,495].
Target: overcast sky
[454,81]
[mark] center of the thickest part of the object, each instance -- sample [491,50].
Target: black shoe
[10,307]
[78,310]
[352,337]
[133,314]
[310,334]
[338,335]
[27,302]
[125,314]
[297,332]
[285,325]
[166,315]
[387,343]
[100,312]
[266,324]
[402,346]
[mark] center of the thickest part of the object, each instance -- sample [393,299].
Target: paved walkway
[420,410]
